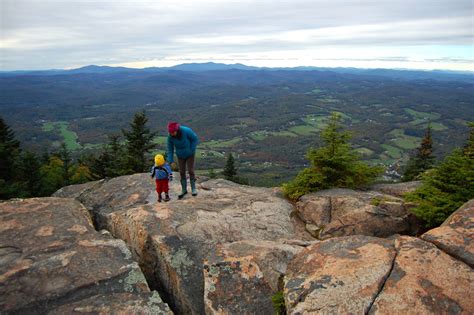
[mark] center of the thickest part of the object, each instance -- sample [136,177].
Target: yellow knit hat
[159,160]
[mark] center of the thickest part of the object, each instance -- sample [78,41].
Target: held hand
[174,166]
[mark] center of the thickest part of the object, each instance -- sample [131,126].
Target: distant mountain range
[211,66]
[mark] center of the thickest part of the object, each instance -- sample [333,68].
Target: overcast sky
[424,34]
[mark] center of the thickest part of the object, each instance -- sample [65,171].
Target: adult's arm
[170,151]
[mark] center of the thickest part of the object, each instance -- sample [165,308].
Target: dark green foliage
[229,170]
[469,147]
[9,155]
[212,173]
[445,188]
[333,165]
[423,160]
[110,162]
[28,175]
[278,300]
[65,156]
[9,151]
[138,144]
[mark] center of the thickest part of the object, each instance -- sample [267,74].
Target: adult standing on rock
[184,140]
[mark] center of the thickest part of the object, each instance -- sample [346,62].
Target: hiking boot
[193,187]
[167,197]
[184,189]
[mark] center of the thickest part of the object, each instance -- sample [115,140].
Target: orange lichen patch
[20,266]
[81,229]
[249,268]
[45,231]
[10,225]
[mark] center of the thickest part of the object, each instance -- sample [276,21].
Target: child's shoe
[159,198]
[167,197]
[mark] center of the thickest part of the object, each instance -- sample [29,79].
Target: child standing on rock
[162,174]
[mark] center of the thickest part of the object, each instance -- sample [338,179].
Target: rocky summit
[230,250]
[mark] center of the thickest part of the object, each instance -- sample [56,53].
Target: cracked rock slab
[425,280]
[51,256]
[338,276]
[244,275]
[456,235]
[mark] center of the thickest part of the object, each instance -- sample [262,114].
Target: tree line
[26,174]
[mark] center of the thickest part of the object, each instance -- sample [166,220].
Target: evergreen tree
[29,175]
[9,154]
[9,150]
[116,163]
[230,171]
[335,164]
[423,160]
[138,143]
[446,187]
[469,147]
[65,156]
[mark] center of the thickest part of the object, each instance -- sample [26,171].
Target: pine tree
[230,171]
[9,156]
[335,164]
[469,147]
[423,160]
[138,143]
[9,151]
[446,187]
[29,175]
[65,156]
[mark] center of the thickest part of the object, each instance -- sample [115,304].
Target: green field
[401,140]
[364,151]
[435,126]
[221,143]
[62,128]
[304,130]
[422,115]
[392,152]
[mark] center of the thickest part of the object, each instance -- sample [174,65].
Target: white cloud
[57,33]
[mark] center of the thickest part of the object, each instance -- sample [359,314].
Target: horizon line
[236,63]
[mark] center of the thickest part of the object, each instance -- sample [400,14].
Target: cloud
[57,33]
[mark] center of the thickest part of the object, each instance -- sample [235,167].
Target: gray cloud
[57,33]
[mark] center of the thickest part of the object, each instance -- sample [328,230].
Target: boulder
[341,275]
[425,280]
[361,274]
[243,276]
[74,191]
[397,189]
[341,212]
[171,240]
[456,235]
[53,261]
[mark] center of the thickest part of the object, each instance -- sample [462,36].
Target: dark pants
[186,163]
